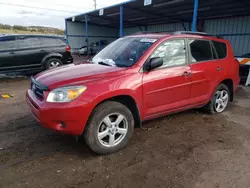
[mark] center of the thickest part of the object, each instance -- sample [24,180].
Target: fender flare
[107,96]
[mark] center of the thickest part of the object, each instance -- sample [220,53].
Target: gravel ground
[188,149]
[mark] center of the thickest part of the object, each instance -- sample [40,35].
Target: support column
[99,45]
[121,21]
[66,32]
[87,32]
[195,15]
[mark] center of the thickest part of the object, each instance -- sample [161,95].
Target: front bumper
[69,118]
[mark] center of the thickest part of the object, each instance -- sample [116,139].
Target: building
[227,18]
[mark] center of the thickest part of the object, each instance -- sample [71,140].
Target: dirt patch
[188,149]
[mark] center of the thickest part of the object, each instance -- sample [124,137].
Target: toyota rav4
[135,78]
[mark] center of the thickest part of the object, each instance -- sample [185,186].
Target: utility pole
[95,4]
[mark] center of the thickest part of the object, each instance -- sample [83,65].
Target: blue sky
[21,12]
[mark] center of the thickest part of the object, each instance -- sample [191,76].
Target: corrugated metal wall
[77,34]
[131,30]
[168,27]
[157,28]
[236,30]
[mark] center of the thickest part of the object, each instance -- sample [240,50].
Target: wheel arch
[229,83]
[129,102]
[49,56]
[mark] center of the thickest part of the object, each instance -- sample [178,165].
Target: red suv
[134,79]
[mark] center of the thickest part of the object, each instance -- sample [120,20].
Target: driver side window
[173,53]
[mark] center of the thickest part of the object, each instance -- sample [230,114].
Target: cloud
[30,13]
[25,12]
[21,15]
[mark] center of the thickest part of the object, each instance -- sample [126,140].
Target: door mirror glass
[154,63]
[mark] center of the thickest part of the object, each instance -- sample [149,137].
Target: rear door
[30,52]
[206,69]
[220,51]
[56,46]
[52,44]
[8,53]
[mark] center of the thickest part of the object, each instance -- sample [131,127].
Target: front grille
[38,88]
[37,91]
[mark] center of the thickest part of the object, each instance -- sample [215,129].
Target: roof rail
[196,33]
[149,32]
[181,33]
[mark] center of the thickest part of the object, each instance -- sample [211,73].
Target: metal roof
[162,11]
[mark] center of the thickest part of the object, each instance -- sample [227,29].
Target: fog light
[63,125]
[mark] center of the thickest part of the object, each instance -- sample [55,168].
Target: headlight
[65,94]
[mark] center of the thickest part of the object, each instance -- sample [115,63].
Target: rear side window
[61,41]
[200,50]
[28,42]
[7,43]
[47,42]
[221,49]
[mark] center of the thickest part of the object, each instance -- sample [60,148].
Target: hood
[76,73]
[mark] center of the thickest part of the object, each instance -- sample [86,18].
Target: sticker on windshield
[148,40]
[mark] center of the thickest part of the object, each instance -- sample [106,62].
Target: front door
[167,88]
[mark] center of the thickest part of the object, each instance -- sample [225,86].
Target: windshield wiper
[102,63]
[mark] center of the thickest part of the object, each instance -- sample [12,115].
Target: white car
[83,50]
[244,68]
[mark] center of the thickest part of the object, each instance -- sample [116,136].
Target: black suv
[21,53]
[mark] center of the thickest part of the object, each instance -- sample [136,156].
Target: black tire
[92,128]
[49,61]
[210,107]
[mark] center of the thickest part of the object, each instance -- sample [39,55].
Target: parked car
[94,48]
[83,50]
[20,53]
[134,79]
[244,68]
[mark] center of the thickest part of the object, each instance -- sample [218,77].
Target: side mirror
[154,63]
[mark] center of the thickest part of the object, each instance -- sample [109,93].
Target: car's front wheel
[110,127]
[220,100]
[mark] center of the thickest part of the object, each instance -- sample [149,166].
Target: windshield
[124,52]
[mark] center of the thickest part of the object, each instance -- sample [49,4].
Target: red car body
[155,93]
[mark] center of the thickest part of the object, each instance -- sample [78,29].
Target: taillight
[68,48]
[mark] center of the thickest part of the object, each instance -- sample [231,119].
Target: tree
[19,27]
[5,26]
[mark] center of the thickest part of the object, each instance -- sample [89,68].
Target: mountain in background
[17,29]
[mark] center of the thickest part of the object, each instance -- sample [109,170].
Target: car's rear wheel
[219,101]
[110,127]
[53,63]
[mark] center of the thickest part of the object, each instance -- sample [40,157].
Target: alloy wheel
[112,130]
[54,64]
[221,100]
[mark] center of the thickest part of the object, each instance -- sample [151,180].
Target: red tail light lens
[68,48]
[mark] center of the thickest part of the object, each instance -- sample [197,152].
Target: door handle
[12,53]
[219,69]
[186,74]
